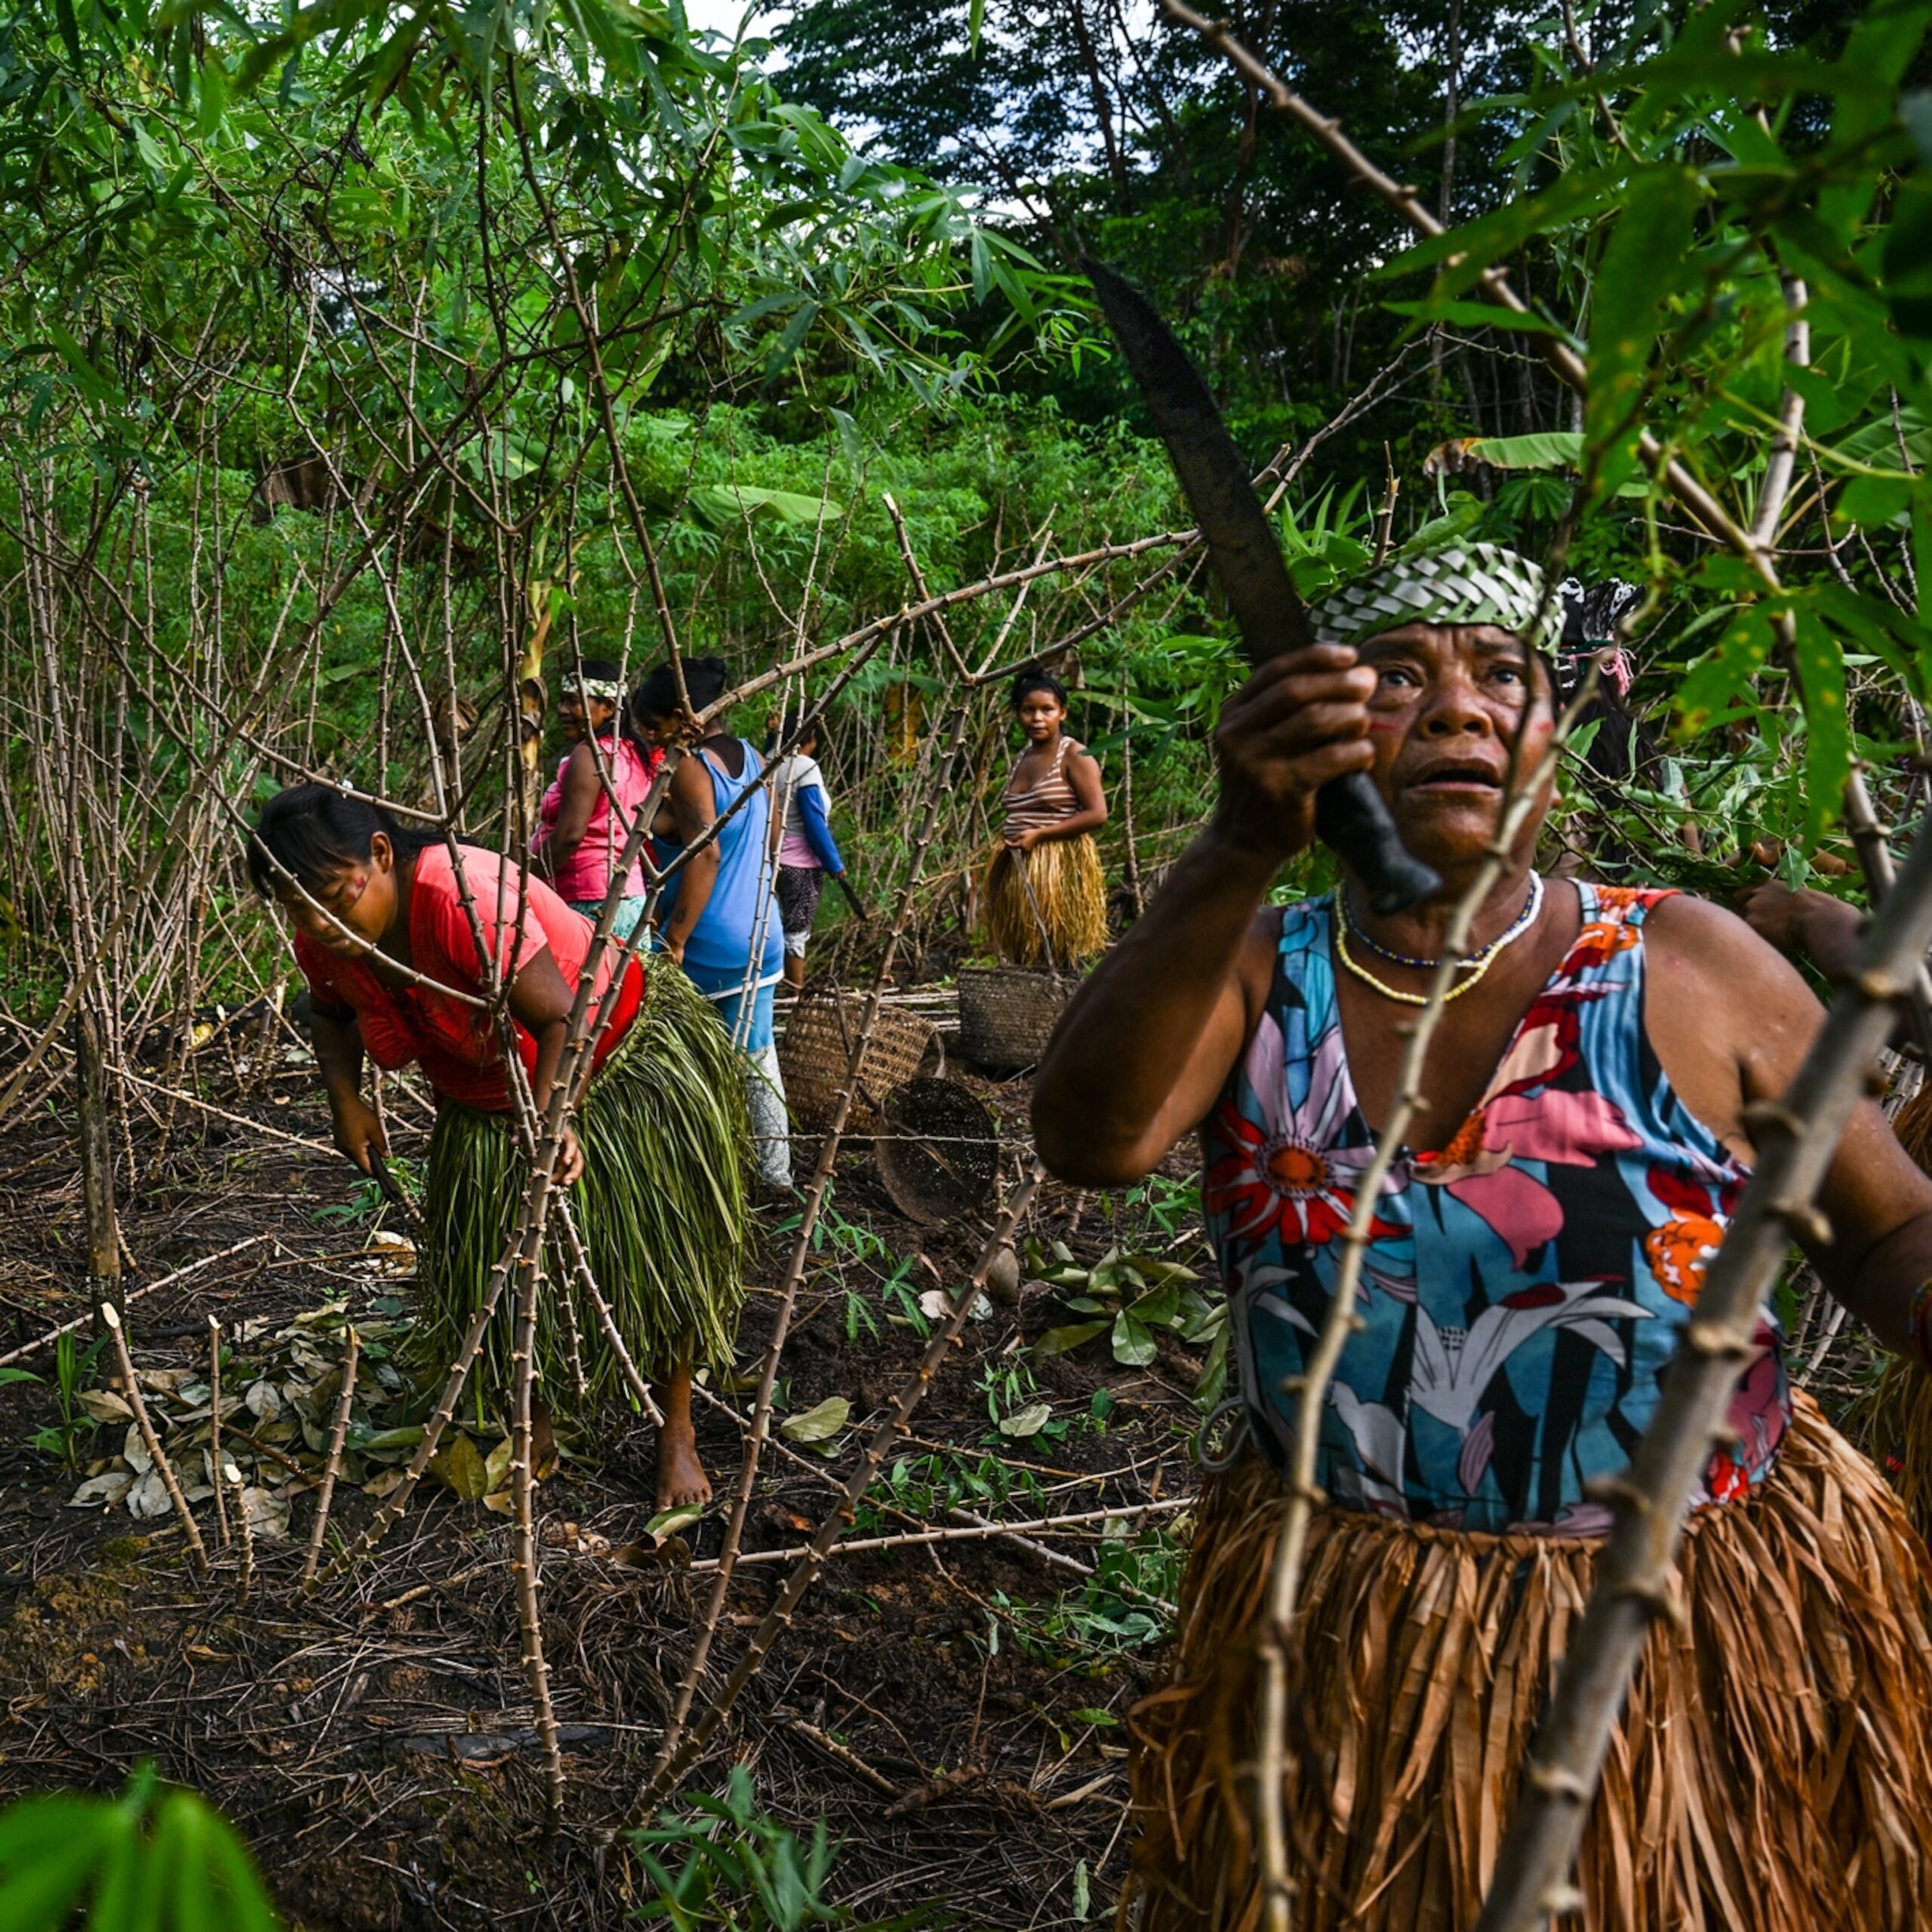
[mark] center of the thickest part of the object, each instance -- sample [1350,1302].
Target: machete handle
[1351,817]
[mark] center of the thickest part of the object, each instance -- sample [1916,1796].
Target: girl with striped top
[1044,895]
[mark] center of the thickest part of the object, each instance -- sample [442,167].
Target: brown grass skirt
[1773,1771]
[1066,908]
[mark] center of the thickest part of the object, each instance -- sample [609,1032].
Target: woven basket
[937,1151]
[1006,1014]
[815,1054]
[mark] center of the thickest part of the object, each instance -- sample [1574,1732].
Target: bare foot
[682,1481]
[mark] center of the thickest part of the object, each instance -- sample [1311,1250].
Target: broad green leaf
[1874,502]
[1643,265]
[1133,1341]
[48,1847]
[1725,673]
[1029,1421]
[1827,730]
[820,1424]
[1545,449]
[1075,1334]
[1908,257]
[726,506]
[1479,316]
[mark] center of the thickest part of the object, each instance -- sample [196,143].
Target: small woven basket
[1007,1014]
[937,1151]
[816,1054]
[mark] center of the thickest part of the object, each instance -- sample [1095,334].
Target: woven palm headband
[608,689]
[1459,583]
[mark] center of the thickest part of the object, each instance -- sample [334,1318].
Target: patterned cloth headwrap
[1458,583]
[608,689]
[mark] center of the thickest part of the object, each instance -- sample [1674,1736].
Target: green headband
[1458,583]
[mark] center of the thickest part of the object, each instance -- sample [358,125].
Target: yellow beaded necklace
[1477,968]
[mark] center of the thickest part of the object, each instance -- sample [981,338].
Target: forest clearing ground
[956,1712]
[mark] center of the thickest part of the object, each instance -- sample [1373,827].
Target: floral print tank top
[1525,1286]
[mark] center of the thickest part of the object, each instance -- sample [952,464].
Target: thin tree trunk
[102,1223]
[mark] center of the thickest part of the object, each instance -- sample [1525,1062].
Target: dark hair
[796,731]
[705,678]
[310,830]
[1032,679]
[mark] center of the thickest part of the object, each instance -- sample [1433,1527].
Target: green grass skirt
[662,1205]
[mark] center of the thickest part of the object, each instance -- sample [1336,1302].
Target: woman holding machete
[1534,1260]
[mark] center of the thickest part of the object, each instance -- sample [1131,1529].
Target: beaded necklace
[1476,966]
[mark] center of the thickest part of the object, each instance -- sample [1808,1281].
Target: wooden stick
[972,1532]
[197,1555]
[331,1467]
[523,1545]
[843,1754]
[244,1580]
[214,1429]
[801,1249]
[1796,1139]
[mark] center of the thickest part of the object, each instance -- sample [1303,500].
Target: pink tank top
[586,875]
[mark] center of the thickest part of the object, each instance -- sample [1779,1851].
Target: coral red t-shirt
[459,1047]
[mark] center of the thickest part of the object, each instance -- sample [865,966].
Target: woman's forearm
[338,1045]
[1149,1040]
[549,1050]
[1880,1291]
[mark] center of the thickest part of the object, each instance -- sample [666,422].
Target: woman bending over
[655,1162]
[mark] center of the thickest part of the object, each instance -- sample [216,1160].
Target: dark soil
[955,1713]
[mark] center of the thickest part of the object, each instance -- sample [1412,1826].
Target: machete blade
[1349,813]
[1266,609]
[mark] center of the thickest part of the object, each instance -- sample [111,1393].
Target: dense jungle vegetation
[362,366]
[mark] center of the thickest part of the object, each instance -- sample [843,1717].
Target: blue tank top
[1525,1284]
[740,922]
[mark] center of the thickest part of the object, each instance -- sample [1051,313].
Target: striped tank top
[1048,800]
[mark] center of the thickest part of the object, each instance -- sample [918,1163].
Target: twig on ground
[53,1335]
[215,1461]
[197,1552]
[333,1465]
[244,1580]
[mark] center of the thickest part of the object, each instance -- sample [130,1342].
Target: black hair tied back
[310,830]
[1035,677]
[705,678]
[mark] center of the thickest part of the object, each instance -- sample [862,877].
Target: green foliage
[73,1370]
[1126,1605]
[734,1867]
[155,1859]
[1128,1298]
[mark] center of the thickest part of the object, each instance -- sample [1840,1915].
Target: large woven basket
[815,1054]
[1006,1014]
[937,1150]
